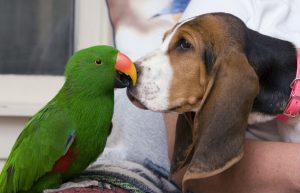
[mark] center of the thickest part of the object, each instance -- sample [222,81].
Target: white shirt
[276,18]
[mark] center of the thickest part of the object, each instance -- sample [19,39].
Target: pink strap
[293,106]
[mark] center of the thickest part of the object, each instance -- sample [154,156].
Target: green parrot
[70,132]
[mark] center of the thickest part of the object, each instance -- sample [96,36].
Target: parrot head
[101,68]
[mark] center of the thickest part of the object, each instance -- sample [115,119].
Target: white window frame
[24,95]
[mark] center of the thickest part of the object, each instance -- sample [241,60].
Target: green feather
[83,107]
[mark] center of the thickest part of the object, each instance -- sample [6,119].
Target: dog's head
[201,67]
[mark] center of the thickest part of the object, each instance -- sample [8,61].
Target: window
[36,36]
[36,39]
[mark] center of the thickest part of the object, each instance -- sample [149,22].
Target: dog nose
[138,67]
[137,63]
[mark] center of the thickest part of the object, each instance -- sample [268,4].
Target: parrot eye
[98,62]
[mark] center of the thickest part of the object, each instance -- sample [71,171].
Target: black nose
[138,67]
[137,63]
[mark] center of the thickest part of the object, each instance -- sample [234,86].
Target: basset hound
[220,75]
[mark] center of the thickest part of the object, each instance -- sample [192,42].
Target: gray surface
[137,134]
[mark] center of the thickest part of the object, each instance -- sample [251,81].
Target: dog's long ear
[183,148]
[219,125]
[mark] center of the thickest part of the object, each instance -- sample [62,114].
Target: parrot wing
[45,139]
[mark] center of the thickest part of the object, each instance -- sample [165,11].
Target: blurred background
[36,39]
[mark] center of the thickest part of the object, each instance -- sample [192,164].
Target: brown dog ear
[219,126]
[183,148]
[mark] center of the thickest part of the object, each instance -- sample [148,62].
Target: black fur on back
[275,63]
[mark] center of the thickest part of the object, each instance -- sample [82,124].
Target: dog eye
[98,61]
[183,44]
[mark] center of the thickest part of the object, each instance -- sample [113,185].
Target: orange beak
[126,66]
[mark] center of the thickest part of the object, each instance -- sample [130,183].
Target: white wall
[22,97]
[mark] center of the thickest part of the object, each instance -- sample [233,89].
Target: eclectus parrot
[70,132]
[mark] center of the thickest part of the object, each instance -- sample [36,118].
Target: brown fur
[188,88]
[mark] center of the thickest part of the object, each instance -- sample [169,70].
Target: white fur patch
[153,86]
[256,117]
